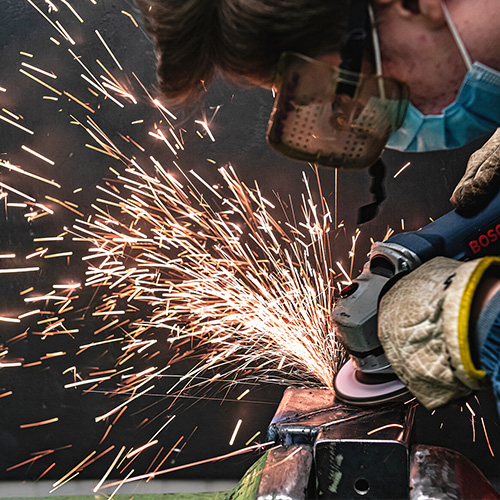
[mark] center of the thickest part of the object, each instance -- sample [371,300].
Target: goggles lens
[334,117]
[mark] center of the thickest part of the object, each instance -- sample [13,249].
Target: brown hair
[195,39]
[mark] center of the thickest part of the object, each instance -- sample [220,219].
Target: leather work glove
[424,329]
[481,180]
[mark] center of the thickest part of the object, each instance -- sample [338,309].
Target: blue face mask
[474,113]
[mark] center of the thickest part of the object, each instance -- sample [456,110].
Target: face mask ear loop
[376,52]
[456,37]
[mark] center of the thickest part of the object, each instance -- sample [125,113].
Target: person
[439,325]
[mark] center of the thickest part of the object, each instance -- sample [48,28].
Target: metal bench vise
[329,450]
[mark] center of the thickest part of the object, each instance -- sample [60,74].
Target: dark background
[206,422]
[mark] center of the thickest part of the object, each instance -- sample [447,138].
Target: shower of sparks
[256,296]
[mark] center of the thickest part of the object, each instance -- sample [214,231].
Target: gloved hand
[423,325]
[481,180]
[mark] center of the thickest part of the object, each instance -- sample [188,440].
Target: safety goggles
[337,116]
[332,116]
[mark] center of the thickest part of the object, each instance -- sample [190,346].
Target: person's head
[242,39]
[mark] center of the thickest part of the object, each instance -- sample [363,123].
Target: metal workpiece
[355,450]
[366,456]
[442,474]
[286,473]
[359,453]
[302,413]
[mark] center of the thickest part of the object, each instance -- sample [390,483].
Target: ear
[429,12]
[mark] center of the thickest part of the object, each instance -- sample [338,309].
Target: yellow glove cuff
[458,312]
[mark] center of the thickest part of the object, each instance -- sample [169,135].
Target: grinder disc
[368,390]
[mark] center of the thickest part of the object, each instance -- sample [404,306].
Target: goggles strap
[352,44]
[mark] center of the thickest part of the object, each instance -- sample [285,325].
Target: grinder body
[355,313]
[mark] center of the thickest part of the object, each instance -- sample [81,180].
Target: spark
[252,438]
[37,424]
[73,98]
[388,426]
[142,448]
[73,11]
[200,462]
[253,296]
[29,313]
[38,70]
[131,18]
[235,432]
[56,25]
[38,155]
[9,320]
[94,344]
[56,255]
[24,129]
[85,382]
[406,165]
[48,238]
[111,467]
[46,85]
[19,270]
[159,105]
[207,130]
[108,49]
[53,355]
[342,270]
[125,479]
[470,409]
[64,33]
[6,111]
[106,415]
[163,426]
[61,481]
[243,394]
[28,174]
[487,438]
[44,297]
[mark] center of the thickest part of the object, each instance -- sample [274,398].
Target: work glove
[481,180]
[424,329]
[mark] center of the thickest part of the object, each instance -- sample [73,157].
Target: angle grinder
[367,378]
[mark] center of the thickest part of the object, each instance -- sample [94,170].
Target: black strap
[377,172]
[352,45]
